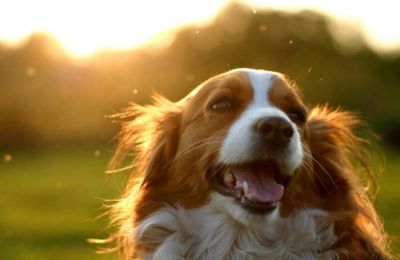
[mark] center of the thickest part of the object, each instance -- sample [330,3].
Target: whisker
[309,172]
[323,170]
[196,145]
[205,157]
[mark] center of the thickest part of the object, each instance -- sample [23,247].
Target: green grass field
[49,201]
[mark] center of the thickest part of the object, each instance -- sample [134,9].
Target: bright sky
[85,26]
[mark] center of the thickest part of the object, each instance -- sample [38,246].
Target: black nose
[274,130]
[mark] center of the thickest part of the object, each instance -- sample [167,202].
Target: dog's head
[241,136]
[244,142]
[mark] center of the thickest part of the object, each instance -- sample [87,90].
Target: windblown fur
[333,219]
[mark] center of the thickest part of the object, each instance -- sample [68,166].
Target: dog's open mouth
[257,186]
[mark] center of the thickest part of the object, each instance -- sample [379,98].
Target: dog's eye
[298,116]
[222,104]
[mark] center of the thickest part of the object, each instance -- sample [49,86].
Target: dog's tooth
[229,180]
[246,188]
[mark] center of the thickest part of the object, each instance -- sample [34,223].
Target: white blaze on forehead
[239,144]
[261,82]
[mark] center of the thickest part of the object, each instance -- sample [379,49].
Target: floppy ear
[337,153]
[151,135]
[332,143]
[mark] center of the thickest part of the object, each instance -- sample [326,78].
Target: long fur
[206,233]
[335,172]
[342,154]
[147,135]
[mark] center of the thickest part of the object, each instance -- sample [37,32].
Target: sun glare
[85,27]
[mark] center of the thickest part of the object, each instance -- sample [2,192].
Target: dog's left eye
[222,104]
[298,116]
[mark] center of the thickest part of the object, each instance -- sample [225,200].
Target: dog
[241,168]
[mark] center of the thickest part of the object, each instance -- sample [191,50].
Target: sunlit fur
[168,194]
[208,234]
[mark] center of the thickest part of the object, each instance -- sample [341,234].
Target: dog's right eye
[221,104]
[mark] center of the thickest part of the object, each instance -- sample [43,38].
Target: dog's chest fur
[209,233]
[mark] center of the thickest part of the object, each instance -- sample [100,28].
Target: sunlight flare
[85,27]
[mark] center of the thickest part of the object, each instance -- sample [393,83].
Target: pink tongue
[261,183]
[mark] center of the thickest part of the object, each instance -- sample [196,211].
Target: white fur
[210,233]
[241,139]
[261,81]
[222,229]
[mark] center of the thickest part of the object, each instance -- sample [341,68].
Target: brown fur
[175,142]
[285,96]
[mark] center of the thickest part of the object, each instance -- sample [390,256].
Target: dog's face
[243,131]
[238,137]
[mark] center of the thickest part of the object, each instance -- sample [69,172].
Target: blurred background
[64,65]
